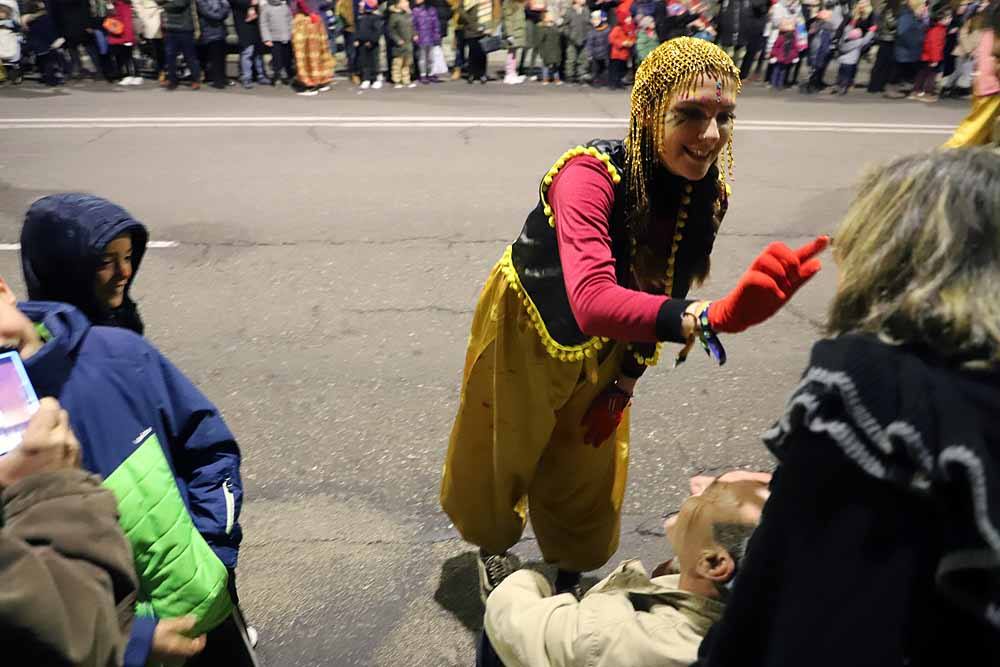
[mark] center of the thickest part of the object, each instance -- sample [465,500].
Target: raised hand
[768,284]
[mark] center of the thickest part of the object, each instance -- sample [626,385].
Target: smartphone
[18,401]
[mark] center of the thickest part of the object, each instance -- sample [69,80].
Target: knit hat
[598,16]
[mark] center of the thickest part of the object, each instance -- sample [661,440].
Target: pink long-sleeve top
[582,197]
[986,82]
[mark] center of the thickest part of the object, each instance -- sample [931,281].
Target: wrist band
[709,339]
[703,332]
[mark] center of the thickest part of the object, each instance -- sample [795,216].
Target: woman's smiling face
[696,129]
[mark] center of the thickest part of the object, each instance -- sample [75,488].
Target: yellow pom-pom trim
[561,162]
[648,361]
[556,350]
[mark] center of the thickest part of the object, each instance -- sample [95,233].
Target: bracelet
[709,339]
[703,332]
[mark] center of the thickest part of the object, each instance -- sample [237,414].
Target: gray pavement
[321,292]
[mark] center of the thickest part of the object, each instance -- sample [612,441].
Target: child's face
[5,13]
[114,272]
[628,20]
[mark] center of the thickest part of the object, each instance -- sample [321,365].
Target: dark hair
[734,538]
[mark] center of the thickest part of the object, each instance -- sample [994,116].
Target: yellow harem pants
[517,442]
[978,127]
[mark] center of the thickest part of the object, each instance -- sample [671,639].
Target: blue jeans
[181,41]
[250,58]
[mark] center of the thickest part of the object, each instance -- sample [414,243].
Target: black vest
[535,253]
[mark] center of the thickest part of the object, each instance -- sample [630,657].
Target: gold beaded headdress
[676,67]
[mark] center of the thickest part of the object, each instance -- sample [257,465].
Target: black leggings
[477,59]
[124,62]
[367,57]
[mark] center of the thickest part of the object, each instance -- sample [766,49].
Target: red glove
[314,18]
[767,285]
[604,414]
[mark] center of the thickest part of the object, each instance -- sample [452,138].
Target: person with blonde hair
[880,543]
[578,307]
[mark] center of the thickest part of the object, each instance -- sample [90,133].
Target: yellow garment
[517,441]
[977,128]
[313,62]
[401,66]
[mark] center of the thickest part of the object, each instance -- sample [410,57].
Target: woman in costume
[578,306]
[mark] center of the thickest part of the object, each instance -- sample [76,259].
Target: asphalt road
[328,255]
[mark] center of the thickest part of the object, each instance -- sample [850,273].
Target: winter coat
[622,40]
[38,26]
[670,22]
[72,18]
[123,12]
[345,11]
[426,25]
[598,44]
[164,451]
[62,241]
[275,21]
[368,28]
[177,15]
[912,436]
[645,44]
[401,32]
[10,40]
[730,22]
[986,81]
[247,32]
[626,619]
[909,36]
[212,16]
[753,21]
[783,50]
[147,12]
[851,49]
[514,23]
[69,579]
[550,45]
[444,13]
[474,20]
[933,51]
[576,25]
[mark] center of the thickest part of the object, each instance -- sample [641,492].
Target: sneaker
[252,635]
[136,80]
[365,85]
[377,84]
[308,92]
[248,85]
[126,81]
[325,88]
[398,86]
[412,84]
[493,570]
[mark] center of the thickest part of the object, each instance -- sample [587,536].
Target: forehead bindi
[711,93]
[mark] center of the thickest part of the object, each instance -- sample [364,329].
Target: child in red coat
[121,39]
[622,40]
[925,85]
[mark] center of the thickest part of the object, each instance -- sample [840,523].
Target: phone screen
[17,401]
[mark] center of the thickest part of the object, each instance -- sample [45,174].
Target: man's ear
[699,483]
[716,565]
[7,294]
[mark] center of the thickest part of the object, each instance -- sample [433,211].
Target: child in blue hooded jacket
[158,442]
[85,251]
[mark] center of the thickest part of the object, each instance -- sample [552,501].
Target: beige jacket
[626,620]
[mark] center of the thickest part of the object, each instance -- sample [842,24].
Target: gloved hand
[604,414]
[314,18]
[767,285]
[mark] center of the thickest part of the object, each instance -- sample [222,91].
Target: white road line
[151,244]
[409,122]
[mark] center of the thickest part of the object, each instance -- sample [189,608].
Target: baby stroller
[10,41]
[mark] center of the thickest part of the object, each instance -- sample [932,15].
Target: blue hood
[62,241]
[50,367]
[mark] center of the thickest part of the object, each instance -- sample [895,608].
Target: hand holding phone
[17,401]
[48,444]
